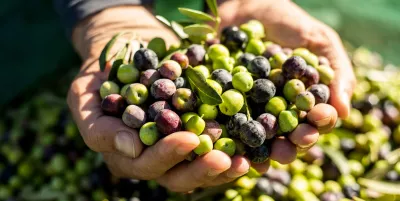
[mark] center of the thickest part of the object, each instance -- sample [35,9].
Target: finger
[327,43]
[261,167]
[283,151]
[240,166]
[323,117]
[188,176]
[101,133]
[304,135]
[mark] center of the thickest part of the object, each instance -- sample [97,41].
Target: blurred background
[41,152]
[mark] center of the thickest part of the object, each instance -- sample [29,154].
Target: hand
[288,25]
[120,145]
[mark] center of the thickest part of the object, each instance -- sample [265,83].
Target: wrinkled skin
[105,134]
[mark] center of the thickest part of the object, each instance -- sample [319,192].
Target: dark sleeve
[72,11]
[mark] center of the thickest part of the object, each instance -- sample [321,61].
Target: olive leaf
[198,29]
[212,5]
[338,159]
[163,20]
[178,30]
[207,94]
[119,59]
[196,15]
[104,56]
[158,46]
[186,22]
[380,186]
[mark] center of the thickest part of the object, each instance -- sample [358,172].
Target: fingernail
[214,172]
[323,122]
[124,144]
[185,149]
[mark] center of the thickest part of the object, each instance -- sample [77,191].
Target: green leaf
[198,29]
[380,186]
[338,159]
[178,30]
[158,46]
[196,15]
[119,59]
[104,53]
[213,6]
[186,22]
[163,20]
[207,94]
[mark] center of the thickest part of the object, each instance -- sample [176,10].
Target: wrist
[91,35]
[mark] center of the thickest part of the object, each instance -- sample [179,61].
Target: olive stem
[247,107]
[217,23]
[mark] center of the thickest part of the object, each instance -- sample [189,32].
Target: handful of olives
[233,91]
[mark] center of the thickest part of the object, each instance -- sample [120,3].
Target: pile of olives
[358,160]
[236,92]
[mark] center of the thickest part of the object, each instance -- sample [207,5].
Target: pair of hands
[285,24]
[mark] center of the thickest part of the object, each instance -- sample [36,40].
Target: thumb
[110,134]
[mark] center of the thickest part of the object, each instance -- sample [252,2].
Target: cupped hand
[290,26]
[120,145]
